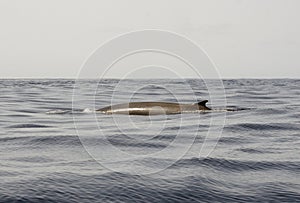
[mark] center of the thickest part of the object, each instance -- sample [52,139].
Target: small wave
[124,141]
[29,126]
[55,140]
[27,111]
[236,109]
[232,140]
[87,110]
[18,115]
[229,108]
[164,137]
[251,151]
[33,159]
[237,165]
[70,111]
[14,139]
[262,126]
[65,140]
[58,111]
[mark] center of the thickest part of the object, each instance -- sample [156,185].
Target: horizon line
[108,78]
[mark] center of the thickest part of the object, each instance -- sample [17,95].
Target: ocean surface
[55,148]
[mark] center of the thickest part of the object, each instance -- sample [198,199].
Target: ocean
[54,147]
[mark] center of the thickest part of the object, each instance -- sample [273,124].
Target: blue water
[54,148]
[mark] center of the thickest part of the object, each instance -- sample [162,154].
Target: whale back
[153,108]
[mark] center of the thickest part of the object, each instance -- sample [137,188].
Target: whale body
[154,108]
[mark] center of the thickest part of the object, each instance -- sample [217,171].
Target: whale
[154,108]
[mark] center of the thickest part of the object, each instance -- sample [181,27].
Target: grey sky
[244,38]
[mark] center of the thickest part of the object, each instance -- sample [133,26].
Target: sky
[243,38]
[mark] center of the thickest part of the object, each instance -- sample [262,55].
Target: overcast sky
[244,38]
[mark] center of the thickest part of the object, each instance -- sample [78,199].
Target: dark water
[44,158]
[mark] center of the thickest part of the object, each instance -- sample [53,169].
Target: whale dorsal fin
[203,103]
